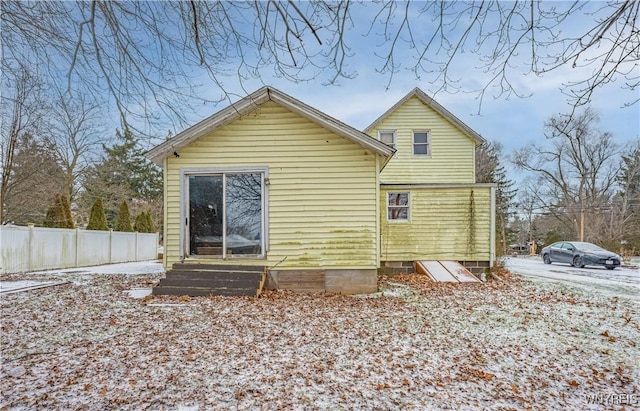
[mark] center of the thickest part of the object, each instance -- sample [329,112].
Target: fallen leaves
[483,375]
[610,338]
[505,345]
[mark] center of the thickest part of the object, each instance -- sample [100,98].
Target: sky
[512,121]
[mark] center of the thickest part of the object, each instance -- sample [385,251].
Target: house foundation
[342,281]
[407,267]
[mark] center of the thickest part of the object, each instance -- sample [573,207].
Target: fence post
[135,255]
[77,246]
[30,225]
[110,243]
[2,269]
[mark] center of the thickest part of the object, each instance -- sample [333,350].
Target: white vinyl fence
[38,248]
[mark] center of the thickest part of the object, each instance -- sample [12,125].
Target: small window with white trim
[398,206]
[388,137]
[421,143]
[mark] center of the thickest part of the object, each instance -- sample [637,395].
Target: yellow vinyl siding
[452,153]
[321,195]
[441,226]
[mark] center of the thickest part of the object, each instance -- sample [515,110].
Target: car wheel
[546,259]
[577,262]
[609,268]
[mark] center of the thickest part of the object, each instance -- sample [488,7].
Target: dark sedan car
[579,254]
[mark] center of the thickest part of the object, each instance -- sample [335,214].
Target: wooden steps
[212,279]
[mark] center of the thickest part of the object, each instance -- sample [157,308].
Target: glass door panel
[205,217]
[243,213]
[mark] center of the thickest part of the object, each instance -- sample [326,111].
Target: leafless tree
[536,223]
[151,56]
[74,135]
[576,171]
[22,112]
[490,170]
[527,206]
[622,226]
[509,39]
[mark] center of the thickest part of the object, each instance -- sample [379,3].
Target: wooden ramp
[446,271]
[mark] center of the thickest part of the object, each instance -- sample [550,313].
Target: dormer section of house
[432,145]
[431,207]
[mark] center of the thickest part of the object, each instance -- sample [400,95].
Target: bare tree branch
[150,57]
[578,173]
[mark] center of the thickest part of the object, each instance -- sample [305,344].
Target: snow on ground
[76,274]
[8,287]
[133,268]
[620,281]
[16,285]
[517,344]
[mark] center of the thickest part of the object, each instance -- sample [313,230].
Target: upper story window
[388,137]
[421,143]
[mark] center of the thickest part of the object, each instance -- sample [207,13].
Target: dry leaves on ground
[509,345]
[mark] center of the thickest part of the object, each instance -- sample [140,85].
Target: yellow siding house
[270,181]
[431,206]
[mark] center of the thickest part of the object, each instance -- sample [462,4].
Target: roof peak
[433,104]
[249,104]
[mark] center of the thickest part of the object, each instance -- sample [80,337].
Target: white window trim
[413,143]
[395,140]
[408,207]
[184,200]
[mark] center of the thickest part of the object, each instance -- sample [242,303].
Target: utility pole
[582,223]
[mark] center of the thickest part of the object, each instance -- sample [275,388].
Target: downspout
[378,216]
[165,210]
[492,235]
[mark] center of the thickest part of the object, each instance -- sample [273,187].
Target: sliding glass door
[225,214]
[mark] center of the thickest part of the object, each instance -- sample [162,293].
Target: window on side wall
[388,137]
[421,143]
[398,206]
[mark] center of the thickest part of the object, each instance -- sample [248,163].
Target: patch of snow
[139,292]
[12,285]
[16,372]
[389,289]
[168,305]
[621,281]
[16,286]
[132,268]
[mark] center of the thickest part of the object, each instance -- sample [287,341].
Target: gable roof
[426,99]
[249,104]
